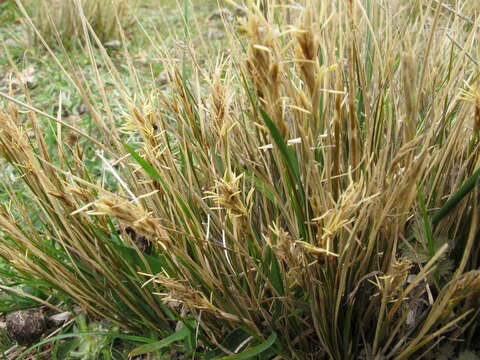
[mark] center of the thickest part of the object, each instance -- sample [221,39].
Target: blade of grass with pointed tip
[231,341]
[426,223]
[293,171]
[253,351]
[150,170]
[466,187]
[149,348]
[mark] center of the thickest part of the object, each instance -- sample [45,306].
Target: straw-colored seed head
[398,275]
[134,216]
[472,94]
[265,69]
[227,194]
[181,291]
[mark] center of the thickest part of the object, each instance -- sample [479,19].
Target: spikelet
[132,215]
[265,69]
[397,276]
[180,291]
[227,194]
[219,105]
[13,139]
[472,94]
[339,218]
[288,250]
[142,119]
[307,50]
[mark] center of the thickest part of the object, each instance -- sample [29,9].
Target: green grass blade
[293,172]
[290,159]
[231,341]
[426,224]
[149,169]
[466,187]
[148,348]
[254,351]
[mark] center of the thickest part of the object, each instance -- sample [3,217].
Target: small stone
[26,326]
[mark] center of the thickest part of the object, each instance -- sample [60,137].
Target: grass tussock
[60,21]
[311,193]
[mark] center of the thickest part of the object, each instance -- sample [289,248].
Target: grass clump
[61,21]
[312,193]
